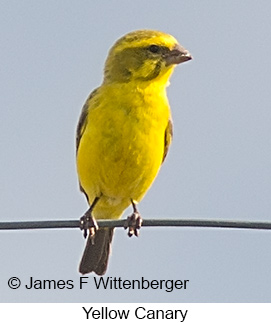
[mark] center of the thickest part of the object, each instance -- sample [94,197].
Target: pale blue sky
[52,55]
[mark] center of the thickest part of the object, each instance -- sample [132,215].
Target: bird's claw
[133,223]
[87,222]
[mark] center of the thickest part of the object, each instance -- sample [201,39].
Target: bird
[123,136]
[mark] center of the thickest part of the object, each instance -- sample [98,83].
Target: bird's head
[143,56]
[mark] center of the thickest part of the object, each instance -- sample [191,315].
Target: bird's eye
[154,49]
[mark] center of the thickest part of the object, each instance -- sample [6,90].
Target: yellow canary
[124,133]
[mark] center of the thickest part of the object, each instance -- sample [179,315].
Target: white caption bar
[135,312]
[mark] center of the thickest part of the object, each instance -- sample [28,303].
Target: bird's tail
[96,253]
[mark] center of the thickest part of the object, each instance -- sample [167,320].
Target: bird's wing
[82,123]
[168,138]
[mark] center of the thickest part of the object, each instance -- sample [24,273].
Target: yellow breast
[122,147]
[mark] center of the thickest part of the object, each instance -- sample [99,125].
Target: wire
[64,224]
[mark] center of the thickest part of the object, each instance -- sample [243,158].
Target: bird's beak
[177,55]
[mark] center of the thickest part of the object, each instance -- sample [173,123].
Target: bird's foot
[133,224]
[88,222]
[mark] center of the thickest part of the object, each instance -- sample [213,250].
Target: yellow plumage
[125,129]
